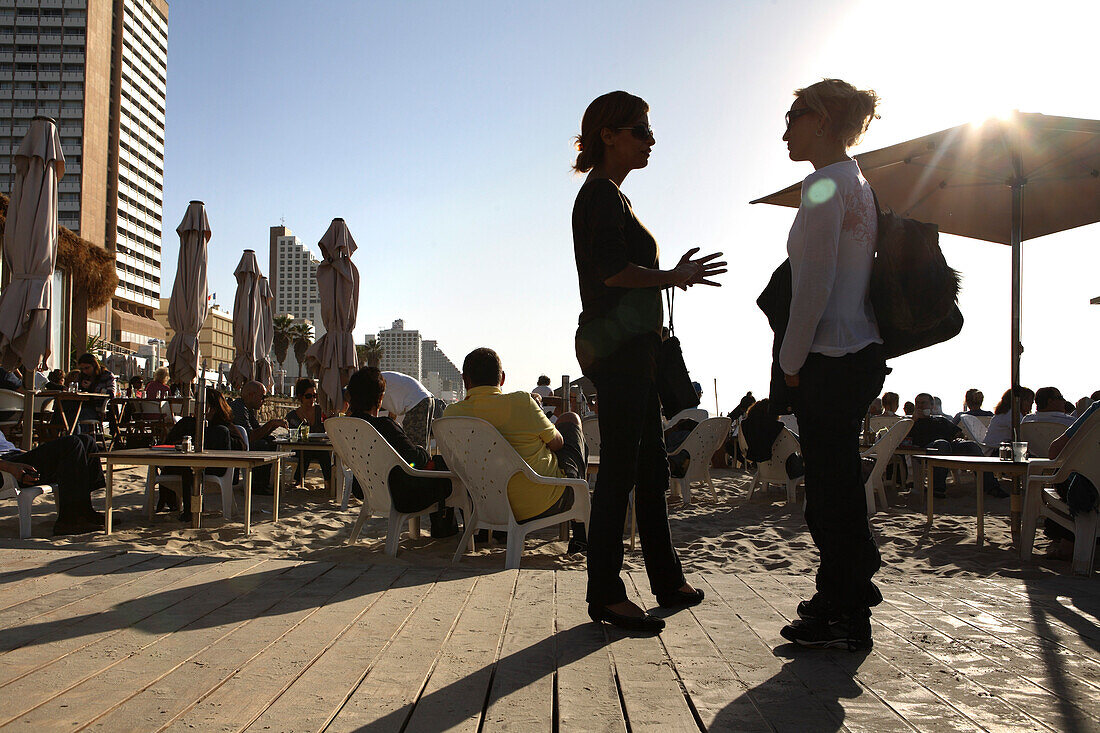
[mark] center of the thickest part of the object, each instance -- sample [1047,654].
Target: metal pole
[1017,184]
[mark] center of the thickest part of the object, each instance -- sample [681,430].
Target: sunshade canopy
[188,308]
[246,319]
[333,354]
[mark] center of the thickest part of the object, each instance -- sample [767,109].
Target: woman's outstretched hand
[697,271]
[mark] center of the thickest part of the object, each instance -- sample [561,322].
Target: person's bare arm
[1057,445]
[555,444]
[686,273]
[267,428]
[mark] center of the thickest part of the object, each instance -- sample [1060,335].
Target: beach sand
[732,534]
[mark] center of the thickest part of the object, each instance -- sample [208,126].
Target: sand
[730,534]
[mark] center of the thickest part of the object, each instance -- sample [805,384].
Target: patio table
[336,476]
[980,465]
[244,460]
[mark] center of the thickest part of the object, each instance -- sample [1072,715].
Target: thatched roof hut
[91,268]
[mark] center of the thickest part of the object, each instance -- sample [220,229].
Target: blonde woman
[157,389]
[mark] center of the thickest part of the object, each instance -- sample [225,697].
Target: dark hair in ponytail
[614,109]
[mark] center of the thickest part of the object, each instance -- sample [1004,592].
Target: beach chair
[485,462]
[883,422]
[590,428]
[11,413]
[223,485]
[774,470]
[790,422]
[1039,435]
[371,459]
[698,414]
[1081,455]
[701,444]
[25,496]
[883,453]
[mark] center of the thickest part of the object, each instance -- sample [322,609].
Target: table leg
[927,472]
[414,527]
[301,468]
[196,499]
[980,477]
[275,492]
[1017,510]
[247,500]
[337,476]
[109,496]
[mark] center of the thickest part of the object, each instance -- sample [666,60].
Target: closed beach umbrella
[1002,181]
[246,319]
[30,254]
[188,307]
[333,355]
[265,369]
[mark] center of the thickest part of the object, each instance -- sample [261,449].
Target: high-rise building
[293,278]
[215,336]
[99,68]
[447,382]
[401,349]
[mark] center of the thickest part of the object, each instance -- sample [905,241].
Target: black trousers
[67,462]
[321,457]
[632,456]
[832,397]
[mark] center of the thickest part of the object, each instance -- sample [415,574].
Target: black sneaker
[815,609]
[849,632]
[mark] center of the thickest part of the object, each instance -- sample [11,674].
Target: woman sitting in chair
[409,493]
[221,434]
[308,412]
[158,389]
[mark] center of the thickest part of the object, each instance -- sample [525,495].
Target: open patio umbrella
[246,320]
[333,355]
[188,308]
[1004,181]
[265,369]
[30,255]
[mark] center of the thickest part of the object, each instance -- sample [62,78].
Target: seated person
[937,434]
[761,429]
[410,404]
[1050,407]
[1083,492]
[1082,404]
[220,434]
[909,409]
[55,381]
[94,377]
[365,394]
[543,389]
[309,412]
[890,404]
[259,436]
[1000,427]
[157,388]
[972,405]
[554,452]
[69,463]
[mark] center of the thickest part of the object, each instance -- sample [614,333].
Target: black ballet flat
[680,599]
[645,623]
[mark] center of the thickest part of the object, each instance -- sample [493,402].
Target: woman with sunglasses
[831,356]
[309,412]
[617,343]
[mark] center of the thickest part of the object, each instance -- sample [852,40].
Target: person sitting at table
[1050,406]
[68,462]
[308,412]
[937,434]
[259,436]
[1077,491]
[909,409]
[543,389]
[365,394]
[999,429]
[95,377]
[157,388]
[220,434]
[55,381]
[890,404]
[410,404]
[972,405]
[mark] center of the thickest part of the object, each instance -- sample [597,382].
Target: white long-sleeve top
[831,247]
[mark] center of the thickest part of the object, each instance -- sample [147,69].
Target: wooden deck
[130,641]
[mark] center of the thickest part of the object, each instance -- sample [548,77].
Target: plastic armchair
[973,429]
[1039,435]
[1081,455]
[883,422]
[883,453]
[485,462]
[701,444]
[25,496]
[222,484]
[698,414]
[774,470]
[371,459]
[790,422]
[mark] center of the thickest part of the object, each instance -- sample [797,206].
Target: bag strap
[670,294]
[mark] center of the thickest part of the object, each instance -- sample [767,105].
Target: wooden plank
[81,687]
[49,579]
[652,696]
[717,692]
[522,695]
[314,699]
[588,695]
[89,633]
[385,698]
[454,697]
[14,558]
[235,678]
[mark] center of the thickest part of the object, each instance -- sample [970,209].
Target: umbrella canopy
[30,249]
[265,369]
[1004,181]
[246,319]
[188,308]
[333,355]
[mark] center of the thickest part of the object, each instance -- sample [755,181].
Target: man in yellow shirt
[554,452]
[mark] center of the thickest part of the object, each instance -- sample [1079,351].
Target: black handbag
[673,383]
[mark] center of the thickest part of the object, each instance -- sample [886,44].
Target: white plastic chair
[790,422]
[973,428]
[371,458]
[883,422]
[485,462]
[698,414]
[1039,435]
[883,453]
[774,470]
[701,444]
[25,496]
[1081,454]
[220,484]
[11,407]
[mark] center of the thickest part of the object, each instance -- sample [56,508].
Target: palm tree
[302,335]
[373,352]
[281,343]
[360,355]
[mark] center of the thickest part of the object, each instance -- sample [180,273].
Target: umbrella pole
[28,408]
[1017,185]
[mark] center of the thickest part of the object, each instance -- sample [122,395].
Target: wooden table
[80,398]
[336,475]
[244,460]
[980,465]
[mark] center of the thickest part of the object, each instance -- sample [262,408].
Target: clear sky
[441,131]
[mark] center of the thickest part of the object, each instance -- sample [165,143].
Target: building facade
[401,349]
[215,336]
[293,279]
[99,68]
[442,378]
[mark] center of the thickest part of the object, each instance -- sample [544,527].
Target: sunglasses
[640,131]
[794,114]
[310,396]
